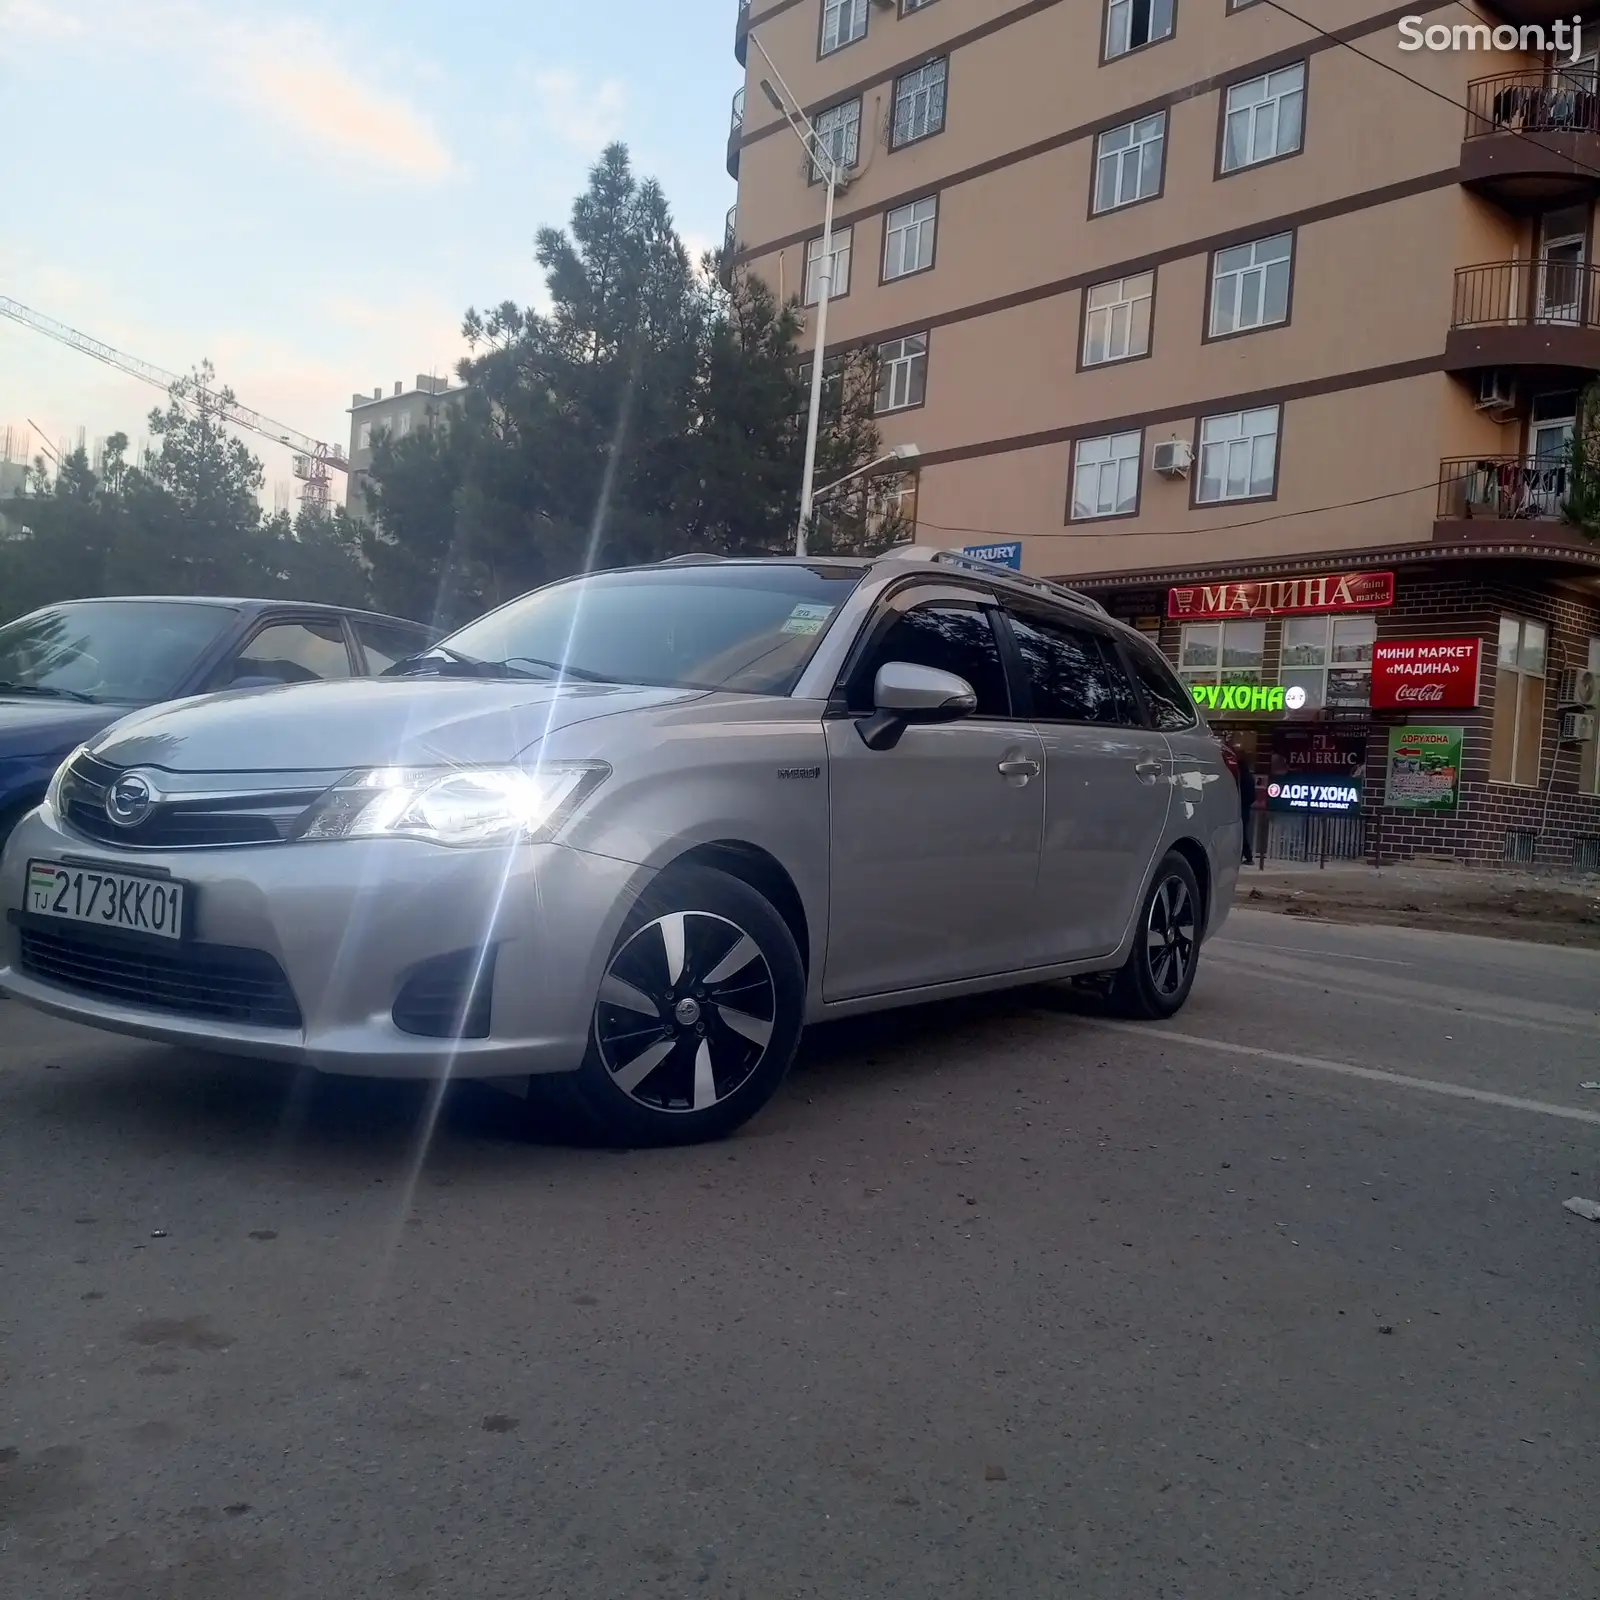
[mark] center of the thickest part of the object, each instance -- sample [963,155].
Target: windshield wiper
[49,691]
[561,669]
[443,662]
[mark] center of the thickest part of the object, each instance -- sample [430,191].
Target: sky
[310,195]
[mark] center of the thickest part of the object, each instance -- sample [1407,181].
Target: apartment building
[396,414]
[1273,347]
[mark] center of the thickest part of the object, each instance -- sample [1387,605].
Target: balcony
[730,243]
[1502,489]
[735,134]
[1538,319]
[1523,13]
[1532,140]
[741,33]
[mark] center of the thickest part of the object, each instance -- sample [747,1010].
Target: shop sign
[999,555]
[1317,769]
[1424,769]
[1247,697]
[1425,672]
[1280,597]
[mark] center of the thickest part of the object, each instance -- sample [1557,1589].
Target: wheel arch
[1194,853]
[764,873]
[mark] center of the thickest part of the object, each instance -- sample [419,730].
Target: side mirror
[904,693]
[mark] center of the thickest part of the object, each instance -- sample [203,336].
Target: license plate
[116,900]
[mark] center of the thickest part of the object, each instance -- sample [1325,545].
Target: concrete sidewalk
[1546,908]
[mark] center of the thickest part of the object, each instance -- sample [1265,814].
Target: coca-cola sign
[1282,597]
[1433,673]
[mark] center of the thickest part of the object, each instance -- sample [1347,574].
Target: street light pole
[823,159]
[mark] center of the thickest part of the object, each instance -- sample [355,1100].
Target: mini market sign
[1282,597]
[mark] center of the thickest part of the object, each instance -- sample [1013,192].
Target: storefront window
[1518,703]
[1330,658]
[1223,652]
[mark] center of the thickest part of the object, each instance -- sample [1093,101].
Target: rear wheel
[1156,978]
[697,1017]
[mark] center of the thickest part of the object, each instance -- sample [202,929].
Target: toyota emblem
[129,800]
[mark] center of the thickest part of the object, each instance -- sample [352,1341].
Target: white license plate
[116,900]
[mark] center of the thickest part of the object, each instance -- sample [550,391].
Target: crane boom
[313,457]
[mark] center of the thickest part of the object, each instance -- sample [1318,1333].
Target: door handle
[1019,767]
[1148,769]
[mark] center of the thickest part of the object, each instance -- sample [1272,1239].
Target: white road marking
[1302,950]
[1455,1091]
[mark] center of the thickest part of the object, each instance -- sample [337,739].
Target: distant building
[397,414]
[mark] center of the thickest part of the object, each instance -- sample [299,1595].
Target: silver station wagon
[624,837]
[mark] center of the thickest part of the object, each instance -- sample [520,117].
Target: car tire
[1155,980]
[696,1021]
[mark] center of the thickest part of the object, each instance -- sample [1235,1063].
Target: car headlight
[52,795]
[454,805]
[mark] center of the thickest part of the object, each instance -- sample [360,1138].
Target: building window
[839,133]
[1127,165]
[908,6]
[1250,285]
[1514,739]
[364,436]
[1105,476]
[1238,456]
[919,103]
[1223,652]
[1116,319]
[1264,119]
[841,267]
[402,424]
[843,22]
[908,233]
[1330,658]
[1132,23]
[1589,751]
[902,372]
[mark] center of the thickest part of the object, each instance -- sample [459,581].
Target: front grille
[176,823]
[448,997]
[210,981]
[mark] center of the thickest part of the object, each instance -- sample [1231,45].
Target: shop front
[1418,704]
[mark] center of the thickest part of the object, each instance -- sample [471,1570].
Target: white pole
[824,290]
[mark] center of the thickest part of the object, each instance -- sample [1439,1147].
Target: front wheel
[697,1018]
[1156,978]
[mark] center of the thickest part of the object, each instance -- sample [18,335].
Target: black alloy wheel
[1155,980]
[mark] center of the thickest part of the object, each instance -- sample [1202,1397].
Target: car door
[934,853]
[1106,782]
[289,649]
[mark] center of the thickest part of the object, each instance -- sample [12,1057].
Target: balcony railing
[730,231]
[736,124]
[741,32]
[1527,294]
[1518,488]
[1532,102]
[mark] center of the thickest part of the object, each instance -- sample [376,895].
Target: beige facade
[396,414]
[1356,343]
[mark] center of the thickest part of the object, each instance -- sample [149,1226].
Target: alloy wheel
[1170,936]
[685,1012]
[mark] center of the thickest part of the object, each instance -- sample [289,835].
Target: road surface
[998,1300]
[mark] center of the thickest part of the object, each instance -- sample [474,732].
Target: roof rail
[1056,591]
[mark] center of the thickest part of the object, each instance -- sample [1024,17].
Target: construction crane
[313,460]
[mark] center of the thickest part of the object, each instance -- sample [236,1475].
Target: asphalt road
[996,1301]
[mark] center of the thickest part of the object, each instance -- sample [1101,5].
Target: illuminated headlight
[52,795]
[454,805]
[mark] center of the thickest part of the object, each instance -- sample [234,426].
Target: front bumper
[349,922]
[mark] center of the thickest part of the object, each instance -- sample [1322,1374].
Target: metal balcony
[735,134]
[1539,319]
[730,243]
[741,33]
[1532,139]
[1502,488]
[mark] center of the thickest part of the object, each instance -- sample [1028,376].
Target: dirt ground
[1542,910]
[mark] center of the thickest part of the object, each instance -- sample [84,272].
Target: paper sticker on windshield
[807,619]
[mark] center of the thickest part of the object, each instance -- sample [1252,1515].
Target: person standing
[1247,796]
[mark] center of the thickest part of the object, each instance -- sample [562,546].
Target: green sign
[1240,696]
[1424,769]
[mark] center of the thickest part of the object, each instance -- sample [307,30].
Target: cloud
[576,113]
[287,69]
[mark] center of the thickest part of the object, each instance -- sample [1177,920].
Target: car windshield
[747,628]
[121,651]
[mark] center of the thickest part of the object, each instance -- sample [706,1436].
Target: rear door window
[1073,673]
[295,652]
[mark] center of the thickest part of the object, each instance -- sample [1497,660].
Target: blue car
[68,671]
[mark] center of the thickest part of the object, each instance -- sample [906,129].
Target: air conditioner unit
[1577,727]
[1497,395]
[886,5]
[1579,687]
[1171,458]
